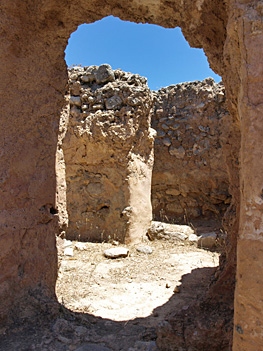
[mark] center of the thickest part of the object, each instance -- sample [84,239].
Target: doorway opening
[162,55]
[152,270]
[194,110]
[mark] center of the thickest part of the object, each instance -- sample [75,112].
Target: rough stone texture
[144,346]
[160,230]
[116,252]
[190,177]
[144,249]
[245,44]
[207,240]
[108,150]
[33,83]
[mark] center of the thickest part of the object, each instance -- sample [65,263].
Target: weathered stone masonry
[190,177]
[108,149]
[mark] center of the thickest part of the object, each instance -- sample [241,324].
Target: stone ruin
[33,86]
[108,148]
[190,179]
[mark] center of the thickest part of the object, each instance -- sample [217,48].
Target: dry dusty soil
[116,304]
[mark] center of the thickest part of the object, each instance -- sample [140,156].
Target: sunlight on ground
[131,287]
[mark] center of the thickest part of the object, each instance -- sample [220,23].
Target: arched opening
[200,104]
[162,55]
[112,277]
[30,269]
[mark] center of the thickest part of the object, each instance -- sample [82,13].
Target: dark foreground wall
[33,84]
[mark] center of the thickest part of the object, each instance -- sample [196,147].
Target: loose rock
[176,290]
[67,243]
[116,252]
[193,238]
[69,251]
[80,246]
[207,240]
[144,249]
[160,230]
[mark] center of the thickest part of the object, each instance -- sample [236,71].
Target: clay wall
[33,84]
[108,150]
[190,179]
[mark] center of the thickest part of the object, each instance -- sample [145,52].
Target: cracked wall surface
[33,84]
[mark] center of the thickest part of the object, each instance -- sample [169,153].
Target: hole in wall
[53,210]
[122,288]
[165,58]
[160,54]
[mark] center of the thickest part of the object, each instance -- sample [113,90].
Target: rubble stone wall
[108,150]
[106,140]
[190,178]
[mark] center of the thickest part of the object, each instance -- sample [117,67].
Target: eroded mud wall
[245,42]
[108,150]
[31,101]
[33,79]
[190,179]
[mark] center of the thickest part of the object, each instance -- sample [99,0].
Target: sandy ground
[116,304]
[126,288]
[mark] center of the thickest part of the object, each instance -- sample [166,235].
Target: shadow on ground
[188,321]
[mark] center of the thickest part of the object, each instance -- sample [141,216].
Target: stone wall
[190,179]
[108,150]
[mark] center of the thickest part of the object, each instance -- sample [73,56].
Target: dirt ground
[126,288]
[116,304]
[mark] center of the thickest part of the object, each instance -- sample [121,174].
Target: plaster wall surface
[108,150]
[33,84]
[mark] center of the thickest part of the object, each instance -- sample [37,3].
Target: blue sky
[161,55]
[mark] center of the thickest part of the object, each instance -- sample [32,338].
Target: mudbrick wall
[108,150]
[33,84]
[190,179]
